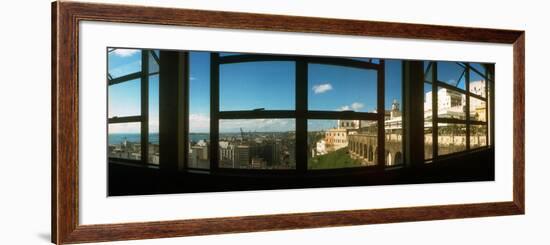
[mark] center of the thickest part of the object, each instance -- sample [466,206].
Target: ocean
[115,139]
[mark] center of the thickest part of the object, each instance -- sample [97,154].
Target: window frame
[301,114]
[144,74]
[431,70]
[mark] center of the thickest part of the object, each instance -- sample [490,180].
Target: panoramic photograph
[184,121]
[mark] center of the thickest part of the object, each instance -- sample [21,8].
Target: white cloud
[125,52]
[199,123]
[355,106]
[153,124]
[124,128]
[345,108]
[192,78]
[321,88]
[257,125]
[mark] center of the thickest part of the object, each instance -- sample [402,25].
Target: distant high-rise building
[242,155]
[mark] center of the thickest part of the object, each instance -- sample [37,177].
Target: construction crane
[242,134]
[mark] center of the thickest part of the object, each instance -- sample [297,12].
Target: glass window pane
[153,147]
[478,109]
[125,99]
[122,62]
[199,110]
[477,79]
[393,118]
[451,73]
[450,104]
[451,138]
[257,85]
[478,136]
[428,125]
[341,143]
[153,61]
[124,140]
[257,143]
[340,88]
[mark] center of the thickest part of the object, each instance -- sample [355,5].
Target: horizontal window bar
[253,58]
[125,78]
[451,87]
[477,96]
[459,90]
[343,62]
[478,123]
[459,153]
[256,114]
[451,120]
[321,60]
[252,171]
[293,114]
[125,119]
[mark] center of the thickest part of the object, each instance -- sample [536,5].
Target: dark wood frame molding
[65,136]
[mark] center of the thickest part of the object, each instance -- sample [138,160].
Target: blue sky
[246,86]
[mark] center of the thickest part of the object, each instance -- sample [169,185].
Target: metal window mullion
[127,119]
[214,109]
[345,63]
[467,74]
[144,106]
[451,87]
[489,104]
[434,112]
[381,114]
[183,114]
[476,96]
[308,59]
[301,146]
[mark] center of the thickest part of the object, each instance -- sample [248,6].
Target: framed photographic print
[174,122]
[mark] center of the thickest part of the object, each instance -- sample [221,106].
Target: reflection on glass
[428,71]
[257,143]
[125,99]
[339,88]
[428,140]
[451,73]
[199,110]
[393,118]
[428,125]
[451,138]
[478,136]
[450,104]
[341,143]
[257,86]
[122,62]
[124,140]
[478,110]
[153,147]
[477,79]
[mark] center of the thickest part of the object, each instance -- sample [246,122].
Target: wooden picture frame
[65,121]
